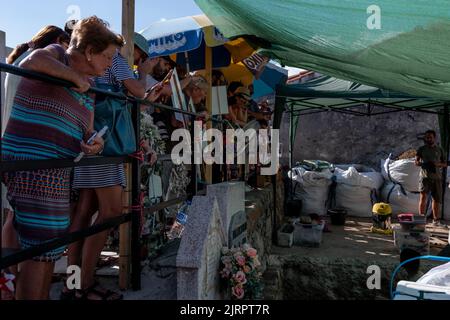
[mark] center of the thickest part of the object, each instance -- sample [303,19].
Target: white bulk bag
[356,192]
[312,189]
[400,200]
[404,172]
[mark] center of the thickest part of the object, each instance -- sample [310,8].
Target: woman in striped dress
[101,187]
[46,36]
[52,122]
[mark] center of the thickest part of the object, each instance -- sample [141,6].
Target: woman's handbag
[120,139]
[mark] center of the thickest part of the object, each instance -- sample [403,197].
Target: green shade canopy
[326,93]
[409,52]
[330,94]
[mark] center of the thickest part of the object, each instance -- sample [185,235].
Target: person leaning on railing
[101,186]
[46,36]
[52,122]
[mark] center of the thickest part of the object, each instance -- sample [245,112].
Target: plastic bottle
[178,226]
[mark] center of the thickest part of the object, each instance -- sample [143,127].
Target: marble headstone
[198,259]
[231,200]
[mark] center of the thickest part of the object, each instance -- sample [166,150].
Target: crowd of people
[47,121]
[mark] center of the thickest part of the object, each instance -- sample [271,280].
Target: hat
[243,92]
[173,64]
[200,82]
[141,43]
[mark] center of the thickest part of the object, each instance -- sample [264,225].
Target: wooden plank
[128,11]
[208,76]
[3,54]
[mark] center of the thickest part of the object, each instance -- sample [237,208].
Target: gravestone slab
[198,258]
[237,231]
[230,199]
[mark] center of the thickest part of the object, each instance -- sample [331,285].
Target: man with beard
[161,66]
[431,159]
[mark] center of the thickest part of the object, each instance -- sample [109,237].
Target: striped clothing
[111,174]
[47,122]
[117,73]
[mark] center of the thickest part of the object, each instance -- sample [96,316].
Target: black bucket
[293,208]
[338,216]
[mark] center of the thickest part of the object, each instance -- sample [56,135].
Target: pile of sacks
[352,187]
[357,188]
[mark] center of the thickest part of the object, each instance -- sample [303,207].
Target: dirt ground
[337,270]
[354,240]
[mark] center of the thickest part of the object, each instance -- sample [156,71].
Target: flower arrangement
[240,272]
[150,132]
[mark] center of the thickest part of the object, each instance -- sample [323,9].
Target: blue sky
[22,19]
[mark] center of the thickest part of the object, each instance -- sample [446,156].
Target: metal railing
[12,257]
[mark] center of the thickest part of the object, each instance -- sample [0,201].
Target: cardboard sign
[256,64]
[219,100]
[179,102]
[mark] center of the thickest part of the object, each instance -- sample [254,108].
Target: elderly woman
[46,36]
[52,122]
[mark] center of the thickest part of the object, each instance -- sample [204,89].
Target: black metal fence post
[1,173]
[446,128]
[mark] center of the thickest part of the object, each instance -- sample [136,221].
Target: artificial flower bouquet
[240,273]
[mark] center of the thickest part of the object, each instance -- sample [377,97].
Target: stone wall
[341,138]
[261,212]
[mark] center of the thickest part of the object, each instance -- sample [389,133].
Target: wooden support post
[128,9]
[3,55]
[208,76]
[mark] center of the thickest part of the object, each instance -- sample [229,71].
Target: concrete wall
[341,138]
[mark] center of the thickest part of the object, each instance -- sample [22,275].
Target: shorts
[433,186]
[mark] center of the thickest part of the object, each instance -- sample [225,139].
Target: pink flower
[225,273]
[238,291]
[240,278]
[240,260]
[256,262]
[226,260]
[252,253]
[247,269]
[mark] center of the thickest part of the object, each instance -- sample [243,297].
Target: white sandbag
[312,189]
[400,200]
[404,172]
[357,200]
[371,180]
[356,191]
[410,291]
[438,276]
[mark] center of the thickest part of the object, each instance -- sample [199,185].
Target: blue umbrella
[188,35]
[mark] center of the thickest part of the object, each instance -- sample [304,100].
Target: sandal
[106,262]
[104,295]
[67,294]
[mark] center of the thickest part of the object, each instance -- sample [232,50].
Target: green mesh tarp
[400,45]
